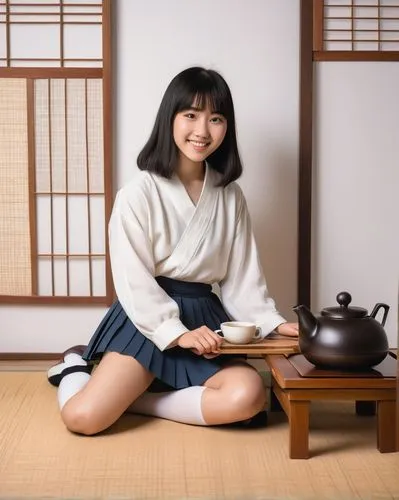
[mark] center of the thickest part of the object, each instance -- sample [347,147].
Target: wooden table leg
[299,428]
[386,429]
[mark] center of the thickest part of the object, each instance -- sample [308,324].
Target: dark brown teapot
[343,337]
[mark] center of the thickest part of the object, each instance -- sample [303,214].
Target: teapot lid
[343,311]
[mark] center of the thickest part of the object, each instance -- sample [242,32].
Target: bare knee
[80,418]
[247,397]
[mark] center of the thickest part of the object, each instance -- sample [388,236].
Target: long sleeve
[151,310]
[244,291]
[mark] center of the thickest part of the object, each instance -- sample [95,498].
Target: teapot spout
[308,324]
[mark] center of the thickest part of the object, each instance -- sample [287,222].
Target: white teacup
[239,332]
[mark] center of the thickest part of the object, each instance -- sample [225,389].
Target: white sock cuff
[70,385]
[183,405]
[195,398]
[74,359]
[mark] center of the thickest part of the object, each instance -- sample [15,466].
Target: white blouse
[156,230]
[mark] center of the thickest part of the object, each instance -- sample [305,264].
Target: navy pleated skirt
[173,368]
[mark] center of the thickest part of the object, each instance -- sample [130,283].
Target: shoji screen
[356,30]
[55,142]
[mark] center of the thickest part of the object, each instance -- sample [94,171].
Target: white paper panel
[365,46]
[59,224]
[371,3]
[77,2]
[389,12]
[364,24]
[365,12]
[78,225]
[97,226]
[338,35]
[390,46]
[79,276]
[337,45]
[35,64]
[366,36]
[31,8]
[31,1]
[394,36]
[29,17]
[337,2]
[337,12]
[339,24]
[92,46]
[34,41]
[3,45]
[60,276]
[91,9]
[79,18]
[43,223]
[390,24]
[44,281]
[83,64]
[98,272]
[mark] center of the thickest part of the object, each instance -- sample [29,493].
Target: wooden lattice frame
[355,30]
[312,47]
[86,70]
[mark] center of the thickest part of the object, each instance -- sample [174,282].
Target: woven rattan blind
[356,30]
[56,142]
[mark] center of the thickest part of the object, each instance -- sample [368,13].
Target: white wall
[356,186]
[255,45]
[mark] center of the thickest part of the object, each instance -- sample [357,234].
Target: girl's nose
[202,129]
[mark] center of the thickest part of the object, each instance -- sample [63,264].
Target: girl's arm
[147,305]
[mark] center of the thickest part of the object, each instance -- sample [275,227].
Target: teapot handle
[377,307]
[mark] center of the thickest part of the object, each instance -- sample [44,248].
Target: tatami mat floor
[142,458]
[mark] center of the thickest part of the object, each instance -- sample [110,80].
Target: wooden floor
[142,458]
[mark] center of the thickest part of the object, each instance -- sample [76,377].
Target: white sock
[183,405]
[74,359]
[70,385]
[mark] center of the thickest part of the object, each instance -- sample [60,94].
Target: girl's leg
[233,394]
[114,385]
[183,405]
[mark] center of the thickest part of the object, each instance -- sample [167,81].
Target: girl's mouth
[198,145]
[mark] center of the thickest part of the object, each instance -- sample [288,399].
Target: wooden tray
[387,368]
[272,344]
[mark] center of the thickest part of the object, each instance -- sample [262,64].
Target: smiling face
[198,132]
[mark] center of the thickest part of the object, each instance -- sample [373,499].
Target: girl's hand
[211,356]
[201,341]
[288,329]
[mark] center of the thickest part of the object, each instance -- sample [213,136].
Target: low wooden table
[272,344]
[295,392]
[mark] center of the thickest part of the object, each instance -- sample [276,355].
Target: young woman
[178,228]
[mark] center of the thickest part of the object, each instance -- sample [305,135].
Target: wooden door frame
[304,244]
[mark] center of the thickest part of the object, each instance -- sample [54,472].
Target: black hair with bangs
[200,86]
